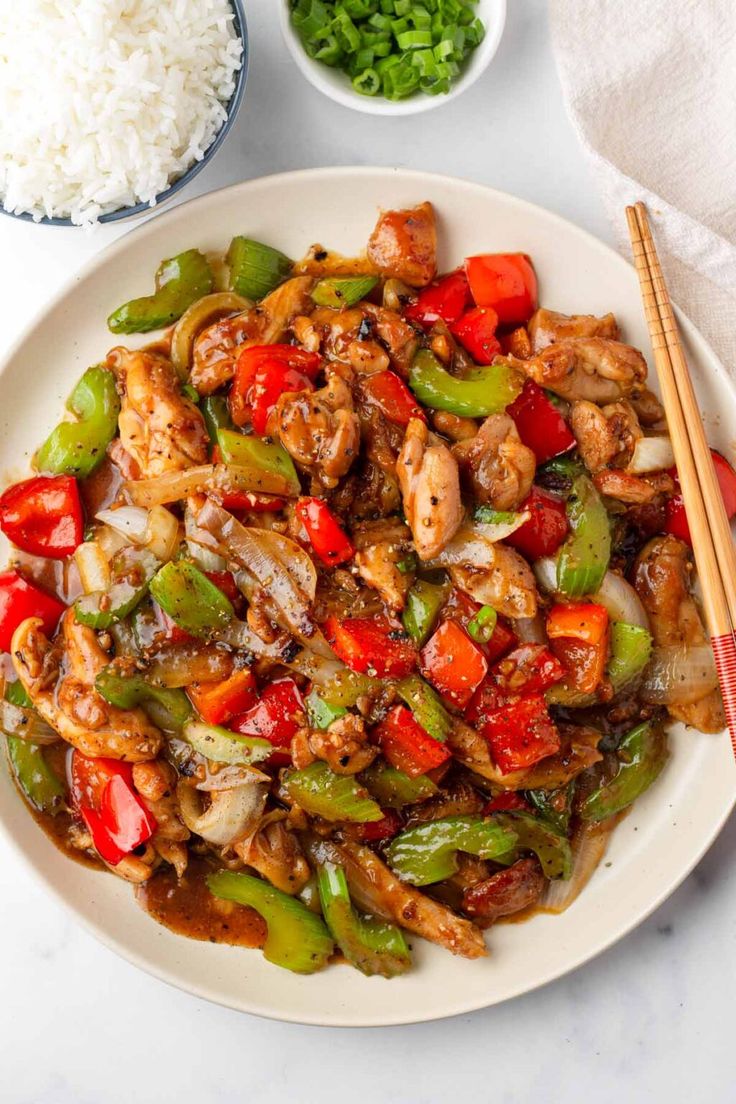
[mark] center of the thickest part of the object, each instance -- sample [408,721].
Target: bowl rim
[376,105]
[233,107]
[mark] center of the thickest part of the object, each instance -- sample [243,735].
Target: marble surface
[650,1020]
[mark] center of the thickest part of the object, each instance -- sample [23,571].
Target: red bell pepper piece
[393,398]
[386,828]
[20,599]
[225,581]
[505,281]
[461,608]
[520,733]
[406,745]
[476,332]
[453,663]
[327,537]
[677,523]
[586,621]
[43,515]
[578,634]
[540,424]
[546,528]
[502,641]
[528,669]
[447,299]
[103,794]
[372,645]
[507,802]
[250,500]
[173,633]
[219,702]
[276,716]
[262,374]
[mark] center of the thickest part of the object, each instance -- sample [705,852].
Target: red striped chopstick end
[724,650]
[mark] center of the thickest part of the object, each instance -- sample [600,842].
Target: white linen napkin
[651,89]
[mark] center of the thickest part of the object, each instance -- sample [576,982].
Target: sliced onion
[469,546]
[589,845]
[679,676]
[231,815]
[205,558]
[546,573]
[110,540]
[163,535]
[213,478]
[621,600]
[229,778]
[200,314]
[320,669]
[93,567]
[129,521]
[178,665]
[651,454]
[26,723]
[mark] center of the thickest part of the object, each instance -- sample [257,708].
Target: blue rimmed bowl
[180,182]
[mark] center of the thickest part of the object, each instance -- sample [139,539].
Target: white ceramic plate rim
[452,1004]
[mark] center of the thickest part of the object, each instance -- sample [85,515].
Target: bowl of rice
[110,107]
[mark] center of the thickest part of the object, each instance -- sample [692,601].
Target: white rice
[104,103]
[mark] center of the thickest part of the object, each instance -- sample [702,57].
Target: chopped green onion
[483,625]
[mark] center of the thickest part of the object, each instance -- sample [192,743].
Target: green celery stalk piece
[346,687]
[322,713]
[426,706]
[631,650]
[16,694]
[642,754]
[255,268]
[77,448]
[169,709]
[393,789]
[423,603]
[482,391]
[427,853]
[255,454]
[583,558]
[342,291]
[372,946]
[216,414]
[191,600]
[180,281]
[297,938]
[550,845]
[132,571]
[322,793]
[43,789]
[223,746]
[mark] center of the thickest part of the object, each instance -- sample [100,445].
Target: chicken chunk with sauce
[497,466]
[319,429]
[430,487]
[592,368]
[404,245]
[545,327]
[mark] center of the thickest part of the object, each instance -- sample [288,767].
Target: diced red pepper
[528,669]
[43,515]
[392,397]
[677,523]
[476,332]
[587,621]
[328,538]
[502,640]
[372,645]
[540,424]
[546,528]
[250,500]
[276,716]
[447,299]
[262,374]
[578,634]
[406,745]
[386,828]
[507,802]
[225,581]
[506,282]
[453,663]
[520,733]
[461,608]
[219,702]
[19,600]
[103,794]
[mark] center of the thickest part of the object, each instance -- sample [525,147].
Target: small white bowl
[336,84]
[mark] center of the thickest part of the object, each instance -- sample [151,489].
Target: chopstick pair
[713,544]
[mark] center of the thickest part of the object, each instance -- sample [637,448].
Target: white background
[650,1020]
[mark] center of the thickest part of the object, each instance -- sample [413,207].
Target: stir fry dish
[354,606]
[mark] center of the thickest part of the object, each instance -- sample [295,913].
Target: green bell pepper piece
[550,845]
[77,448]
[258,455]
[482,391]
[223,746]
[583,558]
[297,938]
[16,694]
[642,755]
[168,709]
[393,789]
[372,946]
[423,602]
[321,792]
[216,414]
[426,706]
[255,269]
[43,789]
[631,649]
[342,291]
[322,713]
[132,571]
[347,687]
[180,281]
[427,853]
[191,599]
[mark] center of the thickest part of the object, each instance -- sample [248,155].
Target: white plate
[665,834]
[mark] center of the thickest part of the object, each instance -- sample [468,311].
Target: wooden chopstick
[713,545]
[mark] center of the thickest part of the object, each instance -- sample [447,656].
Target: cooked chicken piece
[390,530]
[404,245]
[662,581]
[378,891]
[319,430]
[648,409]
[324,262]
[578,751]
[397,337]
[377,566]
[275,852]
[66,698]
[457,799]
[430,487]
[217,347]
[161,429]
[453,426]
[497,466]
[633,489]
[506,582]
[588,368]
[156,783]
[547,327]
[136,869]
[606,436]
[343,745]
[505,893]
